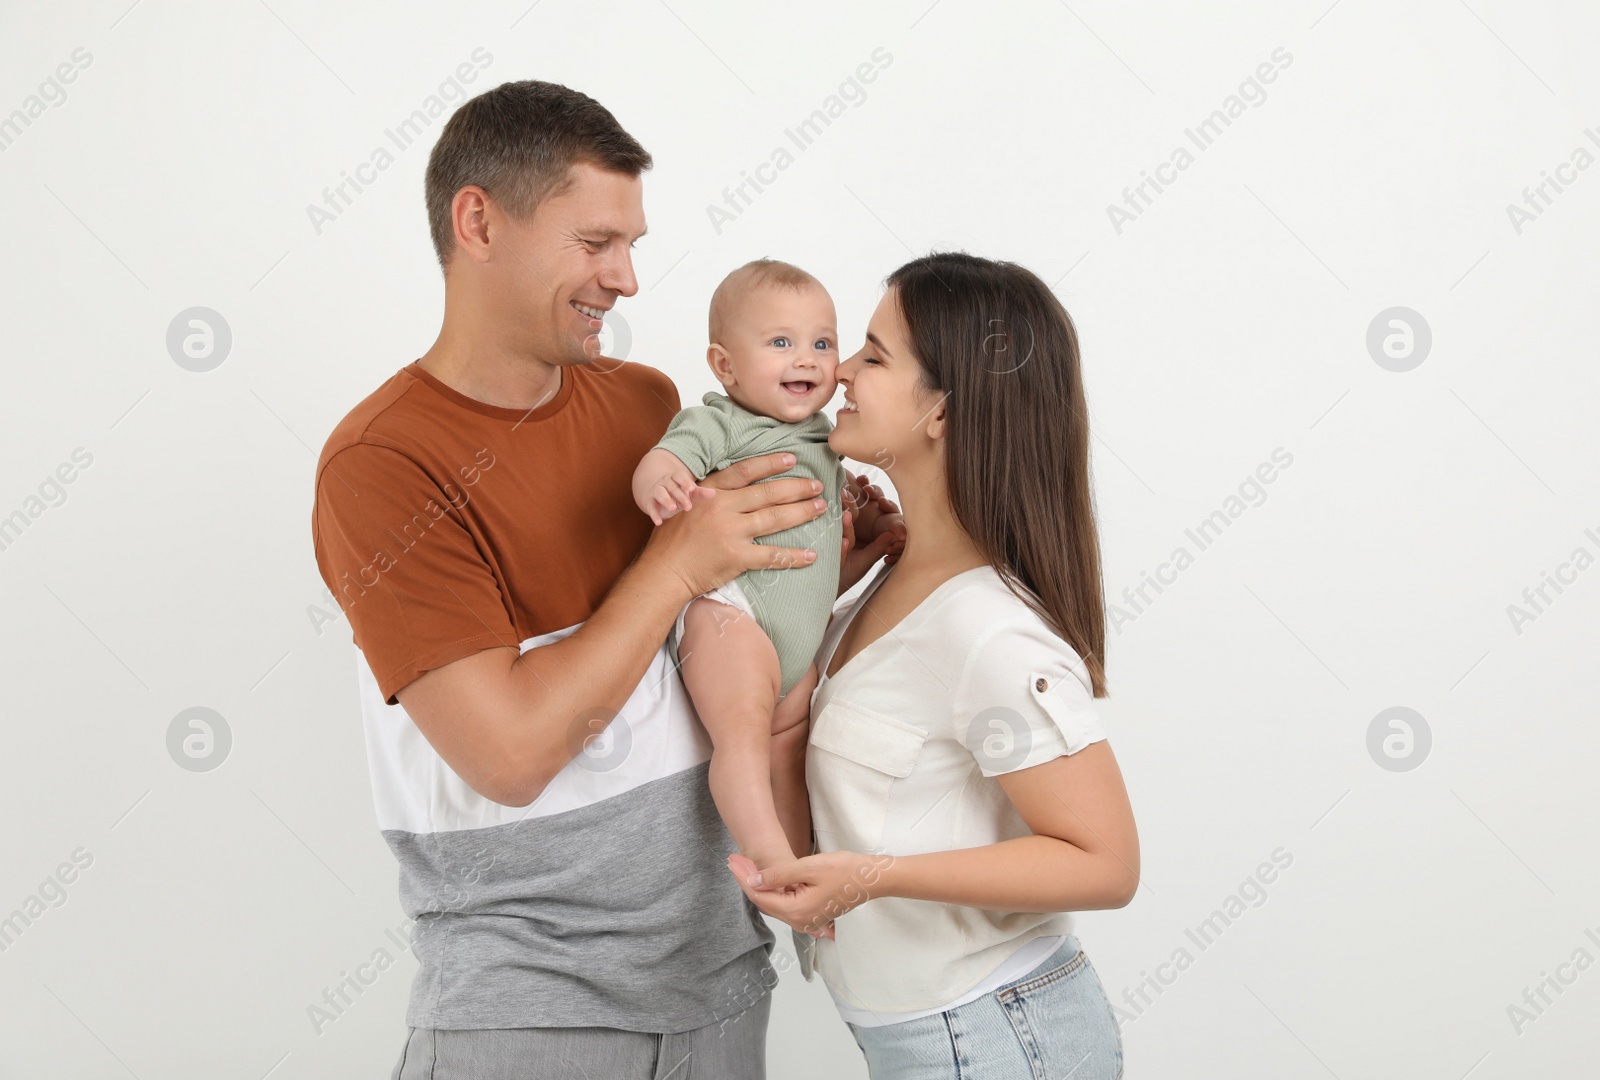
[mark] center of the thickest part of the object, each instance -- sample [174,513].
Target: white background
[1228,320]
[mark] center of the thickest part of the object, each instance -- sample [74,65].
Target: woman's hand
[810,893]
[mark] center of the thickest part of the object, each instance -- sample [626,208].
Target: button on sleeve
[1024,699]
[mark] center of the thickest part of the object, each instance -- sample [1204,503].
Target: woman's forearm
[1029,873]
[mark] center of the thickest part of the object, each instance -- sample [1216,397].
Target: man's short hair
[518,142]
[753,275]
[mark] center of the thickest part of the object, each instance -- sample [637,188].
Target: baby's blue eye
[781,342]
[824,344]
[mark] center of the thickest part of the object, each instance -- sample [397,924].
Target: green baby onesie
[792,605]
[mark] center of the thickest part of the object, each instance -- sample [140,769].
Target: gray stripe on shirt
[619,914]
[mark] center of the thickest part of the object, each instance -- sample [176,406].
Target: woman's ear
[721,366]
[935,423]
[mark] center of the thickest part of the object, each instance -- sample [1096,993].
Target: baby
[774,349]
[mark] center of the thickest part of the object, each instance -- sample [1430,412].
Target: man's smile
[594,313]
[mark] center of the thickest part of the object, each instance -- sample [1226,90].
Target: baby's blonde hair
[753,275]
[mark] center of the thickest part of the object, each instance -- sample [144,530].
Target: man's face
[558,272]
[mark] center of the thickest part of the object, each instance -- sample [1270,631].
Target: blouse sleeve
[1024,698]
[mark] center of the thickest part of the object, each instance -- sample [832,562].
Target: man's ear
[721,366]
[469,217]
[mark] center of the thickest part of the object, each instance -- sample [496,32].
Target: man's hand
[508,722]
[713,542]
[873,528]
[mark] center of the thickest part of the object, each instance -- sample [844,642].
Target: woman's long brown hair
[995,339]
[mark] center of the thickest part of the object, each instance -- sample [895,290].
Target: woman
[962,793]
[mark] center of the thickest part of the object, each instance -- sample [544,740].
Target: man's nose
[618,275]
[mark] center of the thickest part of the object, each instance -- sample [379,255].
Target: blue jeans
[1054,1023]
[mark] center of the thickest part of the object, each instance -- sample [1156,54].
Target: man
[537,767]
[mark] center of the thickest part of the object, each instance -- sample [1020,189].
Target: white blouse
[906,741]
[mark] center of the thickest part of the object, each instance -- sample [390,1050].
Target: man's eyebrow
[874,339]
[607,233]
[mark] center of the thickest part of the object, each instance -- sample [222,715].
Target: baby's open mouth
[800,389]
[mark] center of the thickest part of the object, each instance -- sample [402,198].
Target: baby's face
[782,350]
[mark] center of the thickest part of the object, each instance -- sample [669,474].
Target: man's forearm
[573,688]
[507,722]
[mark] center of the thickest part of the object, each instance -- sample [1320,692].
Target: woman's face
[887,418]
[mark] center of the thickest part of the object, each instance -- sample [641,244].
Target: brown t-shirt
[446,526]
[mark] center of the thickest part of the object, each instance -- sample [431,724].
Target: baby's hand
[895,525]
[663,485]
[671,494]
[873,514]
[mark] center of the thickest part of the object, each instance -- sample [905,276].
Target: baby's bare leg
[732,672]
